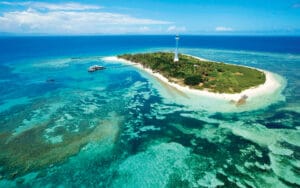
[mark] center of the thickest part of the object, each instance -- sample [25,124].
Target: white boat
[95,68]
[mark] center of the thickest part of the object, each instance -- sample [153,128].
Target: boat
[95,68]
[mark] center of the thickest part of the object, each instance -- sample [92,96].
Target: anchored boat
[95,68]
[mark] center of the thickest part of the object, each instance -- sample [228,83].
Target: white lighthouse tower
[176,59]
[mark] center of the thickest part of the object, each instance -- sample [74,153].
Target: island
[198,73]
[198,76]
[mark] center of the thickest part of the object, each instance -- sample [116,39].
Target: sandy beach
[270,85]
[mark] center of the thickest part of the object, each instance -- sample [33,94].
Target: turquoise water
[62,126]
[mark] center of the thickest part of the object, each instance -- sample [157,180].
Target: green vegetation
[212,76]
[193,80]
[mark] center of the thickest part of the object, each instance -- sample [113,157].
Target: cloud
[64,6]
[174,28]
[144,29]
[51,6]
[73,18]
[221,29]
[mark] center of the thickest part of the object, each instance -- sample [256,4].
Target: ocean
[61,126]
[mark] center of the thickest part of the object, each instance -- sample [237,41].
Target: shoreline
[270,85]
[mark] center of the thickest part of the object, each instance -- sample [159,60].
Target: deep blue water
[24,47]
[62,126]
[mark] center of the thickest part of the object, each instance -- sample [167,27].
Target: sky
[118,17]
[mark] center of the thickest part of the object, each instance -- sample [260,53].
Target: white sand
[270,85]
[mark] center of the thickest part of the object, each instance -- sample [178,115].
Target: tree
[193,80]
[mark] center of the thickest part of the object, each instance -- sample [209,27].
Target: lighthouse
[176,59]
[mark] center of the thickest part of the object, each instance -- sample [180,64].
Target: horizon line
[139,34]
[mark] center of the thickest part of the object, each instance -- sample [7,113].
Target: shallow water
[62,126]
